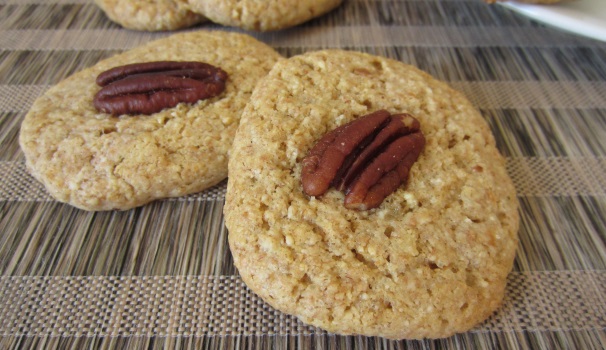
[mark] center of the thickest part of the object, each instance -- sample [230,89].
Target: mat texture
[161,276]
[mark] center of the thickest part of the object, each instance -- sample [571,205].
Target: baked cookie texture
[98,162]
[150,15]
[432,260]
[262,15]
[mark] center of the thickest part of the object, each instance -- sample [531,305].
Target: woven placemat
[223,305]
[161,276]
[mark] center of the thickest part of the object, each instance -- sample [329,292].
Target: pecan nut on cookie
[366,197]
[153,122]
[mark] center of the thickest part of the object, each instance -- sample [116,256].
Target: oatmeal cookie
[430,261]
[150,15]
[262,15]
[98,161]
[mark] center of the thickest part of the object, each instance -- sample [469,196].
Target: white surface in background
[584,17]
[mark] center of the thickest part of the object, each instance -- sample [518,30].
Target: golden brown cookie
[150,15]
[97,161]
[262,15]
[430,261]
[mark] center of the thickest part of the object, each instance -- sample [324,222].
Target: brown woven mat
[161,276]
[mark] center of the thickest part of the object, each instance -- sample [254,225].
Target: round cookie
[432,260]
[95,161]
[150,15]
[262,15]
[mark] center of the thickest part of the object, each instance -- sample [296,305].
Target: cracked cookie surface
[432,260]
[150,15]
[262,15]
[95,161]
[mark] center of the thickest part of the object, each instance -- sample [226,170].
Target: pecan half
[368,158]
[146,88]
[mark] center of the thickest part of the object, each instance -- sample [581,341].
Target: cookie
[262,15]
[97,161]
[430,261]
[150,15]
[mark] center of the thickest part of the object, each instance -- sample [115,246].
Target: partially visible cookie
[262,15]
[150,15]
[430,261]
[97,161]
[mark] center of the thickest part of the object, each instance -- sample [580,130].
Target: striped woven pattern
[161,276]
[171,306]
